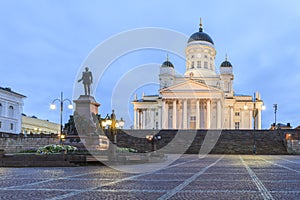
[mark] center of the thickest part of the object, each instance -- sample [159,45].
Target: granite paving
[189,177]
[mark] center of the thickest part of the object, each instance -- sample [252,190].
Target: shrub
[48,149]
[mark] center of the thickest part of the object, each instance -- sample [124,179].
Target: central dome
[200,36]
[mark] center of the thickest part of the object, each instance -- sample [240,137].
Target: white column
[242,125]
[259,119]
[250,119]
[144,118]
[219,114]
[174,114]
[197,114]
[165,111]
[153,118]
[135,119]
[184,114]
[208,113]
[231,118]
[160,117]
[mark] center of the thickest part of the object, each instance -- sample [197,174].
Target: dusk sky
[44,44]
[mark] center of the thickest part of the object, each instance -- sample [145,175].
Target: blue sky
[43,44]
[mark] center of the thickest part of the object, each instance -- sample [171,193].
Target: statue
[87,80]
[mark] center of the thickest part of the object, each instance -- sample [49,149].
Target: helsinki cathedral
[201,98]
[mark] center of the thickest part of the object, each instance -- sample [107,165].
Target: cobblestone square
[189,177]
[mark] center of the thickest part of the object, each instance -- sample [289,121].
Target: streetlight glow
[52,106]
[70,106]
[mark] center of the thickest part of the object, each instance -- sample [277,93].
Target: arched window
[10,111]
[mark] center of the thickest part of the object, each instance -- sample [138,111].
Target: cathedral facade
[200,98]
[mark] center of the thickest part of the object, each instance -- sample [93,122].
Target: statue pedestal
[86,105]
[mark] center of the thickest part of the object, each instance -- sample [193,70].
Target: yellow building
[37,126]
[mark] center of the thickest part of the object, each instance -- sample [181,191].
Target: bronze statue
[87,80]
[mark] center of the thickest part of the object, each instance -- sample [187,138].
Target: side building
[11,108]
[33,125]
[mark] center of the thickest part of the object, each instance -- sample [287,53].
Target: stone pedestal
[86,105]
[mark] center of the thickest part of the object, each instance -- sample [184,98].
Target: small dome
[167,64]
[226,64]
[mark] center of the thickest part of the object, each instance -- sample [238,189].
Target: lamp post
[53,107]
[153,139]
[254,115]
[275,112]
[112,125]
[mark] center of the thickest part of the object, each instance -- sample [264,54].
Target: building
[11,107]
[33,125]
[200,98]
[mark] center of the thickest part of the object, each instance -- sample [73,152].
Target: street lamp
[275,112]
[53,107]
[153,139]
[254,115]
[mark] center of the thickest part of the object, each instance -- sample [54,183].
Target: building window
[193,64]
[11,126]
[156,125]
[0,124]
[205,56]
[199,64]
[205,65]
[237,125]
[156,113]
[237,113]
[10,111]
[193,118]
[193,56]
[0,109]
[210,66]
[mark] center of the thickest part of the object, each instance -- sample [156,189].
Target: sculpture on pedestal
[87,80]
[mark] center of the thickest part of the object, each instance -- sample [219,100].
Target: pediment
[190,86]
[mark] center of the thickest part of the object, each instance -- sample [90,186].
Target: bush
[124,150]
[48,149]
[32,150]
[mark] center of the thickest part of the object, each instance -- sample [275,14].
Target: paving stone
[211,177]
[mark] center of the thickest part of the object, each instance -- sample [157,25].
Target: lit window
[237,125]
[199,64]
[193,64]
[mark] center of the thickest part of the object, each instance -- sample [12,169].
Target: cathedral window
[237,125]
[205,65]
[199,64]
